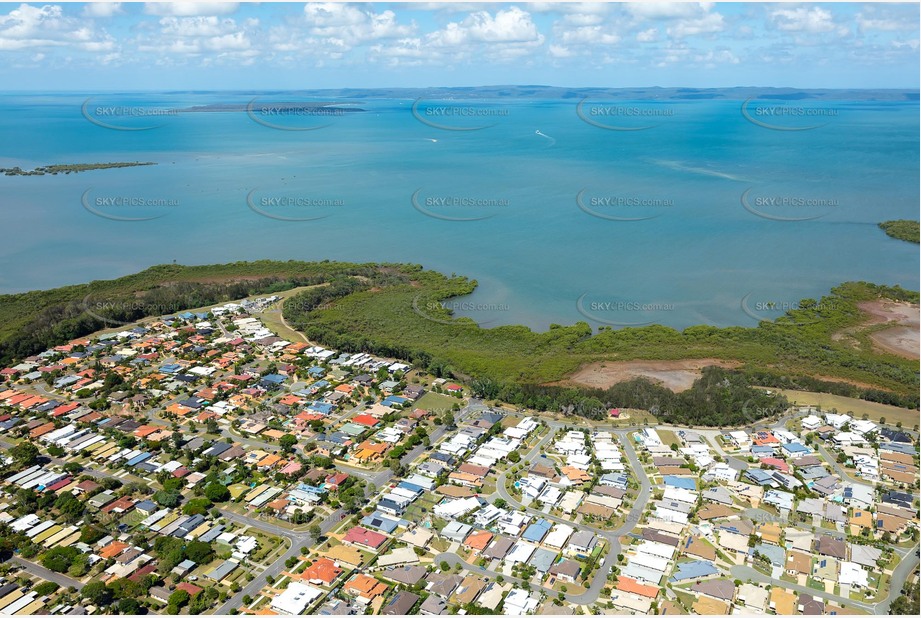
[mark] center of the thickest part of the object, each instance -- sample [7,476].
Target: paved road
[296,540]
[901,572]
[59,578]
[592,593]
[746,572]
[613,537]
[839,469]
[454,559]
[375,480]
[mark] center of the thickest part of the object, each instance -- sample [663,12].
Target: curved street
[612,537]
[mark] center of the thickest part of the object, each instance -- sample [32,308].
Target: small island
[903,229]
[68,168]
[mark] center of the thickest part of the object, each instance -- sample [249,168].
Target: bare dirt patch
[902,338]
[676,375]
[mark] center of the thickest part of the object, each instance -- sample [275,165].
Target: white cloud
[351,25]
[200,36]
[558,51]
[710,23]
[190,9]
[888,19]
[569,8]
[588,35]
[509,26]
[802,19]
[666,10]
[30,26]
[647,36]
[103,9]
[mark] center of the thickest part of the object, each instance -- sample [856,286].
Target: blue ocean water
[702,218]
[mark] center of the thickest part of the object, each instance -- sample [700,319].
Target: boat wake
[544,135]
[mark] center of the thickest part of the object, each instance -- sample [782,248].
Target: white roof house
[518,603]
[295,598]
[558,536]
[852,574]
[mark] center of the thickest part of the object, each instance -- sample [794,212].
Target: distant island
[544,92]
[332,109]
[68,168]
[903,229]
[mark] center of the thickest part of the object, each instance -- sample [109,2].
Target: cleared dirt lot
[903,337]
[676,375]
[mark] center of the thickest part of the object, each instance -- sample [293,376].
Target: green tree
[80,566]
[59,559]
[176,601]
[25,454]
[199,552]
[129,606]
[217,492]
[198,506]
[167,498]
[45,588]
[97,593]
[287,442]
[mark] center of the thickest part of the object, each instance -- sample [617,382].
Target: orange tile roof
[178,409]
[478,540]
[627,584]
[41,430]
[367,445]
[324,570]
[268,460]
[366,420]
[366,586]
[113,549]
[145,430]
[575,474]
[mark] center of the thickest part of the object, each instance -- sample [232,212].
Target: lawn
[436,402]
[685,598]
[858,407]
[815,585]
[668,437]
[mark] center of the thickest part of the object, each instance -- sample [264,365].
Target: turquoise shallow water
[661,232]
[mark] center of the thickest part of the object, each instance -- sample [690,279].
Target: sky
[246,46]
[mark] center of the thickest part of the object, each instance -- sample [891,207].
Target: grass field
[668,437]
[435,401]
[859,407]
